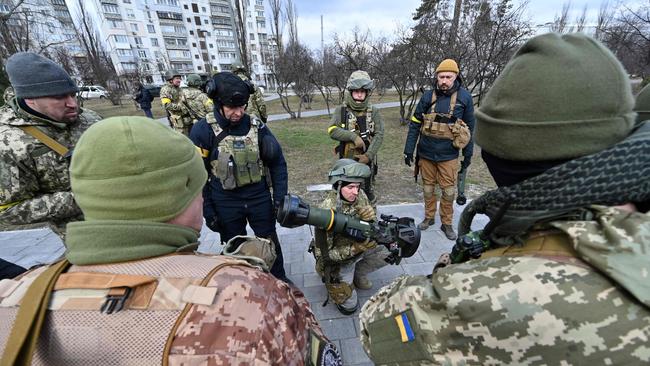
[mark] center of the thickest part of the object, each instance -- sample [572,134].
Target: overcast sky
[384,17]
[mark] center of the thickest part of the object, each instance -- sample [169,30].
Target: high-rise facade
[147,37]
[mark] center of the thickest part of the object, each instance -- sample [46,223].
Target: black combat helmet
[226,88]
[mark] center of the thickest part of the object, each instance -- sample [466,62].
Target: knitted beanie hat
[134,168]
[34,76]
[642,106]
[448,65]
[559,97]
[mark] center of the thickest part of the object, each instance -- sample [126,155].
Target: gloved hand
[365,213]
[359,144]
[465,163]
[213,224]
[363,159]
[408,159]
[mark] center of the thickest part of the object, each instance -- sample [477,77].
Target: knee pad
[449,193]
[428,190]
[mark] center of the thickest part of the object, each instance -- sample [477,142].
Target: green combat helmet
[348,170]
[358,80]
[170,74]
[194,80]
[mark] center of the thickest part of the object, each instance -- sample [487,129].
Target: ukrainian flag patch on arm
[404,327]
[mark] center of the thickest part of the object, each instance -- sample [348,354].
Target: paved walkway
[32,247]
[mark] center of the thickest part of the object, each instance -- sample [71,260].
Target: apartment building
[147,37]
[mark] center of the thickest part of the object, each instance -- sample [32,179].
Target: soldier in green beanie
[560,276]
[133,291]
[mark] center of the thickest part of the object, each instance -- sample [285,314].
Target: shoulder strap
[452,102]
[36,133]
[344,116]
[30,317]
[433,101]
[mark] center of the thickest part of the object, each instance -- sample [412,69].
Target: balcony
[112,2]
[177,47]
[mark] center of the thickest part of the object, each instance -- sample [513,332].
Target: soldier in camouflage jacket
[256,104]
[34,182]
[342,261]
[173,101]
[562,276]
[198,103]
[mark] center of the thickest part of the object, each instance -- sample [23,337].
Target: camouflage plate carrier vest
[351,122]
[94,310]
[239,163]
[445,125]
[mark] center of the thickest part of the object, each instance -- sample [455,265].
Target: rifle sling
[21,342]
[36,133]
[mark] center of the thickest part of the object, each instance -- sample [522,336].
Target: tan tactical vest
[115,314]
[445,125]
[349,122]
[239,163]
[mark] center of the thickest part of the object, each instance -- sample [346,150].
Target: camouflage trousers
[368,262]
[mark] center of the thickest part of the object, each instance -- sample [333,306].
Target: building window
[130,14]
[251,36]
[196,57]
[192,32]
[116,24]
[142,54]
[167,2]
[154,42]
[211,45]
[169,15]
[205,21]
[134,27]
[138,41]
[121,38]
[197,20]
[110,8]
[151,28]
[195,8]
[261,24]
[250,24]
[260,14]
[199,68]
[126,1]
[213,57]
[124,52]
[203,9]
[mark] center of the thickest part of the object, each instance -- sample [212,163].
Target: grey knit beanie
[34,76]
[559,97]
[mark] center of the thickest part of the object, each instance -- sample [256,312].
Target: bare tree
[277,23]
[242,35]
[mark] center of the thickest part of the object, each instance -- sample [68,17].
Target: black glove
[408,159]
[213,224]
[465,163]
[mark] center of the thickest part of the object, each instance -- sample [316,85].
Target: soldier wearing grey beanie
[34,76]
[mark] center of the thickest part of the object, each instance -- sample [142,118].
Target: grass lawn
[106,109]
[309,153]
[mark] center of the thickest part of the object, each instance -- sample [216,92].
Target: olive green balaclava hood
[358,80]
[134,168]
[642,106]
[559,97]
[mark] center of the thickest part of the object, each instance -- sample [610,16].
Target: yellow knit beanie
[448,65]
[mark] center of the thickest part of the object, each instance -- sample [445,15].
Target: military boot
[449,231]
[426,223]
[347,311]
[362,282]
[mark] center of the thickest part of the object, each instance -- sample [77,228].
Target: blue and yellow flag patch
[404,328]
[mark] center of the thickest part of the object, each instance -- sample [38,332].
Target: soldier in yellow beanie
[441,127]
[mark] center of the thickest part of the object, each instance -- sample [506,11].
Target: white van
[92,92]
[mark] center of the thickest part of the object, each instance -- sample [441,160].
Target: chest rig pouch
[239,163]
[445,125]
[351,122]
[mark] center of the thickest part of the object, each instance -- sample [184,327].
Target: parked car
[154,90]
[93,92]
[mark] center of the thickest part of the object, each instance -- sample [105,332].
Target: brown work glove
[363,159]
[366,213]
[359,144]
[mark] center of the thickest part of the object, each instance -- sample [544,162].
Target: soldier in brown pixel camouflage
[34,181]
[173,101]
[198,103]
[137,293]
[563,276]
[256,104]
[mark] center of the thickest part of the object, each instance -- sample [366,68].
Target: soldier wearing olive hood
[358,126]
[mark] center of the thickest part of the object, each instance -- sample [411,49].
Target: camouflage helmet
[238,67]
[8,94]
[170,74]
[348,170]
[360,80]
[194,80]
